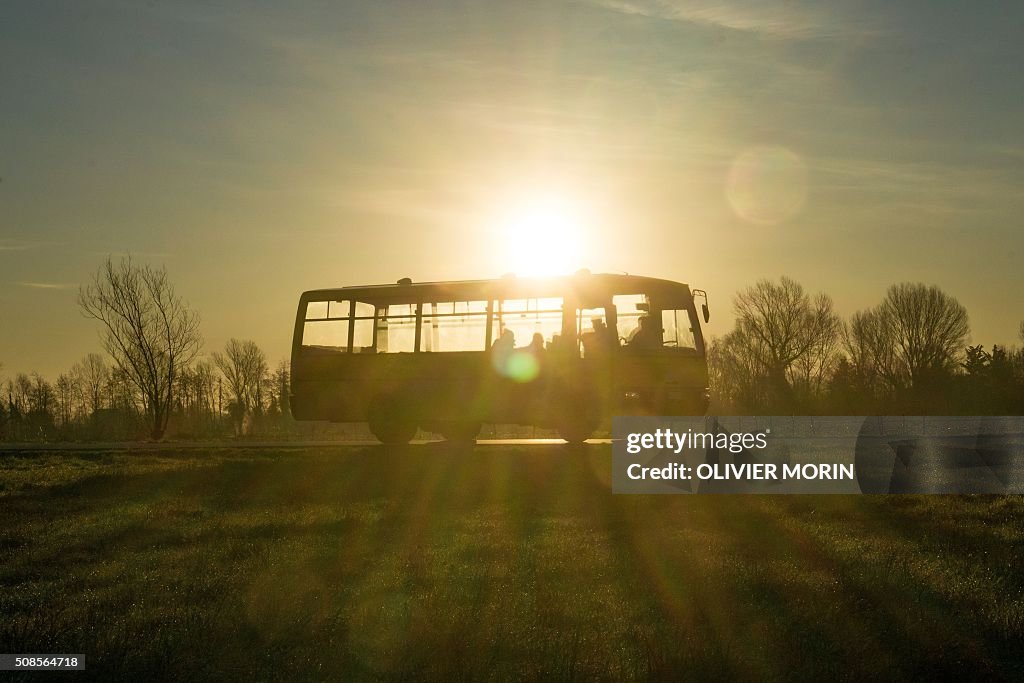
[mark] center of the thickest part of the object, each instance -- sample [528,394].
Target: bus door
[595,351]
[639,371]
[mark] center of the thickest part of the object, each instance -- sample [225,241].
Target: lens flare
[519,365]
[767,185]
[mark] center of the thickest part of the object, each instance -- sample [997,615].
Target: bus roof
[583,284]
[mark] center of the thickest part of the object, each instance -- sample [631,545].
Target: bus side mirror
[701,294]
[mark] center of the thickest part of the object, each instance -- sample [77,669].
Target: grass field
[499,562]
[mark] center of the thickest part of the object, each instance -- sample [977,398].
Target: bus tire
[394,432]
[390,425]
[575,431]
[460,432]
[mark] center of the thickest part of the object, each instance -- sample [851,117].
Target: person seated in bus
[505,342]
[501,351]
[598,340]
[646,335]
[536,350]
[604,335]
[536,345]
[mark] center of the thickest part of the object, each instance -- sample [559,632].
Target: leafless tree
[93,375]
[281,382]
[811,372]
[148,330]
[785,332]
[205,386]
[737,378]
[65,390]
[40,395]
[928,328]
[915,332]
[871,352]
[122,393]
[244,366]
[21,390]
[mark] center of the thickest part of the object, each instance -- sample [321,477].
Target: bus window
[678,331]
[337,310]
[396,329]
[526,317]
[362,323]
[454,326]
[316,310]
[629,308]
[326,325]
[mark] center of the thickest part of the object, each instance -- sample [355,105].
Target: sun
[540,235]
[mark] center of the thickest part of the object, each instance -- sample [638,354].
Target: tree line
[154,381]
[791,353]
[96,400]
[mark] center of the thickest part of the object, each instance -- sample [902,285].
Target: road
[157,446]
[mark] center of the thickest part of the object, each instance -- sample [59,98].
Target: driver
[646,336]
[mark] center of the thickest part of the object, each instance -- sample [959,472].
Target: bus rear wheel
[460,432]
[389,424]
[393,432]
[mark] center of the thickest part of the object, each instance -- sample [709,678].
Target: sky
[261,149]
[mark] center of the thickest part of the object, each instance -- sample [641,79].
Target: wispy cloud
[47,285]
[20,245]
[138,255]
[946,179]
[768,17]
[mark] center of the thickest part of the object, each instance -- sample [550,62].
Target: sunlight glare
[540,236]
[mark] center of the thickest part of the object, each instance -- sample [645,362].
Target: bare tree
[65,391]
[41,403]
[871,350]
[3,413]
[244,366]
[21,390]
[811,372]
[204,386]
[282,388]
[927,327]
[786,333]
[916,332]
[737,378]
[148,330]
[93,375]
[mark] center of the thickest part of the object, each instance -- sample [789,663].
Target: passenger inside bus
[646,336]
[504,343]
[536,345]
[598,340]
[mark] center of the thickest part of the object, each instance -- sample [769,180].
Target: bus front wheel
[575,431]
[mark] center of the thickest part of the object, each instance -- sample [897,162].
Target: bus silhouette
[563,352]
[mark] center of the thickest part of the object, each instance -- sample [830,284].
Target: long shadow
[420,495]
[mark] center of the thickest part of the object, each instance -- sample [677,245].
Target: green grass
[499,563]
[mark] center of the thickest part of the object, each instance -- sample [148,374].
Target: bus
[565,353]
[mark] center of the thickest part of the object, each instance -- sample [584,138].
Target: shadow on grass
[446,562]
